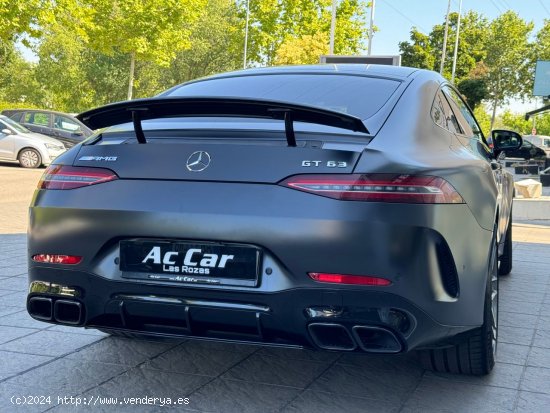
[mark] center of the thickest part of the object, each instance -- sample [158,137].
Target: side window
[64,123]
[470,126]
[38,118]
[437,112]
[27,117]
[443,115]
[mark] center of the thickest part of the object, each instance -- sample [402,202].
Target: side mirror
[6,131]
[505,140]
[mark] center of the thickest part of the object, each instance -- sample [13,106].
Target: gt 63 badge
[328,164]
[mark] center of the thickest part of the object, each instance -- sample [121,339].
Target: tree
[302,50]
[474,90]
[17,82]
[145,30]
[507,59]
[274,21]
[483,119]
[424,51]
[419,52]
[217,45]
[17,17]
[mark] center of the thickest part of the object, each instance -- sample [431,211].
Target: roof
[387,71]
[36,110]
[347,68]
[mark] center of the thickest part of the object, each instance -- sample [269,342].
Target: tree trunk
[131,80]
[495,103]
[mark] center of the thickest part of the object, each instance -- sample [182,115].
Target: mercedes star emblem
[198,161]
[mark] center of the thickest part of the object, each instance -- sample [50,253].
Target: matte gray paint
[236,199]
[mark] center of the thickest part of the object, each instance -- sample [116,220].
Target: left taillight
[57,259]
[72,177]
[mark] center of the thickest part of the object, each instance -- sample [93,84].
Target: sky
[395,18]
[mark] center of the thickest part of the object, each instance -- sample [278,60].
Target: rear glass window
[355,95]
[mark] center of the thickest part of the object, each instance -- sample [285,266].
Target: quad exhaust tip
[330,336]
[375,339]
[62,311]
[67,312]
[40,308]
[371,339]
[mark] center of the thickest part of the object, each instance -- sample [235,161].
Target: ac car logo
[194,261]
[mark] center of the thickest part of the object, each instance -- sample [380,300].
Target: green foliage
[419,52]
[517,122]
[17,17]
[274,21]
[424,51]
[303,50]
[217,45]
[15,105]
[475,90]
[146,30]
[507,59]
[483,119]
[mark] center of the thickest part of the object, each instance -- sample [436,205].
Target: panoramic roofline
[398,73]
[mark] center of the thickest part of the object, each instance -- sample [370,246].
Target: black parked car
[526,151]
[336,207]
[62,126]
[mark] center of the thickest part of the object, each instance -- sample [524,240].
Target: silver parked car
[31,149]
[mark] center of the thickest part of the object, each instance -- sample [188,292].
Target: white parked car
[31,149]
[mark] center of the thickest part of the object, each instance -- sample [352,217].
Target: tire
[474,353]
[29,158]
[505,260]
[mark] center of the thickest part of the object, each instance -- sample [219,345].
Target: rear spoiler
[164,107]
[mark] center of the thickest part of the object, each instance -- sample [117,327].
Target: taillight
[348,279]
[57,259]
[416,189]
[71,177]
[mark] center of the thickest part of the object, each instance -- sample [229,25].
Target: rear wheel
[29,158]
[475,352]
[505,260]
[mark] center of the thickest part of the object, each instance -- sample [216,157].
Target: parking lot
[38,359]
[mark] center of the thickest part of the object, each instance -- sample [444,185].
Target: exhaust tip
[329,336]
[67,312]
[40,308]
[374,339]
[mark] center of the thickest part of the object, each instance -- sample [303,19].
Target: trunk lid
[215,161]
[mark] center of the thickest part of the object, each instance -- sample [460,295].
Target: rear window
[355,95]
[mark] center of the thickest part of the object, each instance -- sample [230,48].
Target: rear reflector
[57,259]
[348,279]
[70,177]
[418,189]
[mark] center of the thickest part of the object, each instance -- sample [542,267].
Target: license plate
[190,262]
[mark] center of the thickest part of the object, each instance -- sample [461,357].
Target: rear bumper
[286,318]
[413,246]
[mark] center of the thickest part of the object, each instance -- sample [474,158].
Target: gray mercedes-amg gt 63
[336,207]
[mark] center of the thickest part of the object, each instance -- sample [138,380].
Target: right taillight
[416,189]
[72,177]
